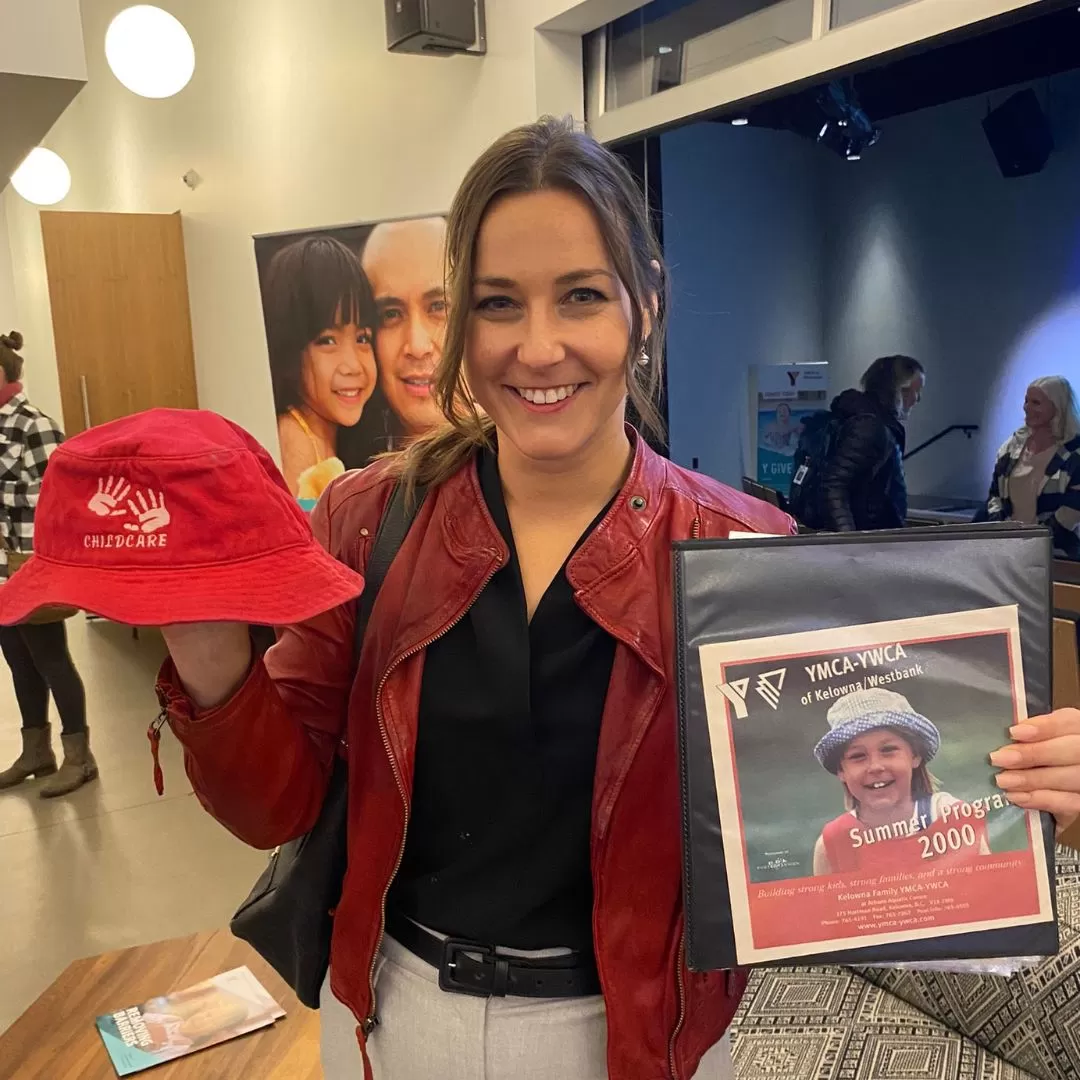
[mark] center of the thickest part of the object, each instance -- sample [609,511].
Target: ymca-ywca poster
[355,322]
[783,398]
[857,806]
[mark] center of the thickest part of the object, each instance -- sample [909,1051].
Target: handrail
[967,429]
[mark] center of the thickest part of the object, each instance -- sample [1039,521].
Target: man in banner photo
[856,802]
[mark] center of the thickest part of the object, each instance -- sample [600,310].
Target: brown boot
[79,767]
[36,759]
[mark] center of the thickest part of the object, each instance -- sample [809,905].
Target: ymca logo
[768,686]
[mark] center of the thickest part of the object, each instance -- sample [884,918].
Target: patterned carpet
[878,1024]
[831,1024]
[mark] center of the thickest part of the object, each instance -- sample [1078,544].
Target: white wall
[744,235]
[297,116]
[42,37]
[8,313]
[934,253]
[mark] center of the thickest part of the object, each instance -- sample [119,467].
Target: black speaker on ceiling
[1019,134]
[435,27]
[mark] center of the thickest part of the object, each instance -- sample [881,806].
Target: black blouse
[497,850]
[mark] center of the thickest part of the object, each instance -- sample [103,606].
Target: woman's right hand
[212,659]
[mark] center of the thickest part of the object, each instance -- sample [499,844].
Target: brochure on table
[165,1028]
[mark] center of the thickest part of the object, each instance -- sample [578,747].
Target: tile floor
[112,865]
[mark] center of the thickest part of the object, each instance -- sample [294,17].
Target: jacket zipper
[371,1022]
[682,1007]
[154,735]
[695,529]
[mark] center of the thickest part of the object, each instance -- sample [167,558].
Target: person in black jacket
[863,483]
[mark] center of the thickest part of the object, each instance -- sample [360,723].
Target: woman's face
[1038,409]
[910,394]
[877,768]
[337,374]
[783,413]
[549,327]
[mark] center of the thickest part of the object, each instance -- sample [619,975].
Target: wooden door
[121,317]
[1066,667]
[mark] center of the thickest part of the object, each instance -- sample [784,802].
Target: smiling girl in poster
[879,748]
[320,326]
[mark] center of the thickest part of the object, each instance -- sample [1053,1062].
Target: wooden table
[56,1038]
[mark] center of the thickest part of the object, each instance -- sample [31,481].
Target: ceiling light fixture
[150,52]
[740,121]
[847,130]
[43,178]
[664,50]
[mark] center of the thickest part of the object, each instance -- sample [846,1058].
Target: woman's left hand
[1042,765]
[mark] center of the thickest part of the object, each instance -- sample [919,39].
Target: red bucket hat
[173,516]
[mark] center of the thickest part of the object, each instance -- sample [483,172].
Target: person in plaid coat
[37,653]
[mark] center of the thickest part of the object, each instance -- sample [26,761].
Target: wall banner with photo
[355,321]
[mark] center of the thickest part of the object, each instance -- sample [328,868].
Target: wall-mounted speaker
[435,27]
[1019,134]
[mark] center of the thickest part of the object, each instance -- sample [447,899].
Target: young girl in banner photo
[320,326]
[879,748]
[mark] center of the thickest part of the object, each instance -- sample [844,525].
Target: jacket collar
[612,580]
[614,573]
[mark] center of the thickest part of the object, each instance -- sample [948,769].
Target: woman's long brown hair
[548,155]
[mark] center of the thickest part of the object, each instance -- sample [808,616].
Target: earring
[643,359]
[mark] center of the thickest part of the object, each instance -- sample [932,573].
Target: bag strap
[396,521]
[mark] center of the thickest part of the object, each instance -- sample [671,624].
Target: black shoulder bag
[288,916]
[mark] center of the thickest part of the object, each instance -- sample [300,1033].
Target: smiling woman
[520,637]
[1036,477]
[544,341]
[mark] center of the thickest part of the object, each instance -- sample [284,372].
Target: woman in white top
[1037,473]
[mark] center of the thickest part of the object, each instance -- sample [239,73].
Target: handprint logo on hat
[151,513]
[147,508]
[110,494]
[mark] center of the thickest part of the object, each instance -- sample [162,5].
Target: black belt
[466,967]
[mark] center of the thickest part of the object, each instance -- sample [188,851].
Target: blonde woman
[1037,473]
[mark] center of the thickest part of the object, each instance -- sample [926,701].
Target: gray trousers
[428,1034]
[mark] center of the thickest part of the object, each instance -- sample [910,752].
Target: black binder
[729,591]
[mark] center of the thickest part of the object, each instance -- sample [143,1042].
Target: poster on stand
[355,320]
[783,397]
[856,804]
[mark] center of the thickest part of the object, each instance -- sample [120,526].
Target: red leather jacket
[260,763]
